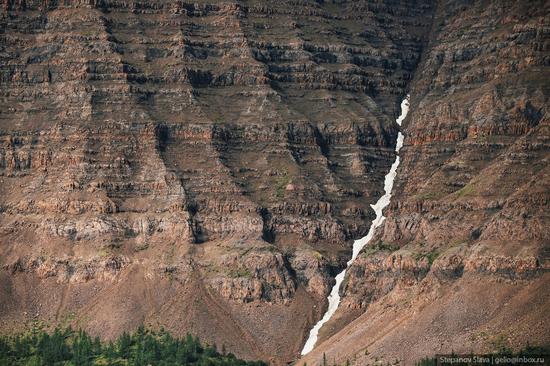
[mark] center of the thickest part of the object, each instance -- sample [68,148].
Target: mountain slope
[205,166]
[199,166]
[462,261]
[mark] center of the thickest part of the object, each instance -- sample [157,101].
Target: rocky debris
[513,267]
[259,275]
[375,275]
[313,271]
[70,270]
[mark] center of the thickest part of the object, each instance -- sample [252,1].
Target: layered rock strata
[462,261]
[195,166]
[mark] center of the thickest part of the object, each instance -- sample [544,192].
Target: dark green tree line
[142,348]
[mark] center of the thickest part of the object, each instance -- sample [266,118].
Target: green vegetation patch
[431,256]
[280,185]
[466,191]
[429,196]
[70,348]
[240,272]
[379,247]
[140,247]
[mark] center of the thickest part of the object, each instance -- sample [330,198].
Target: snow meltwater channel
[358,245]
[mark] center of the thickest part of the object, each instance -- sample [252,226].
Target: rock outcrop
[195,166]
[464,249]
[206,165]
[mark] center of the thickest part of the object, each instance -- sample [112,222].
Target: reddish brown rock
[464,248]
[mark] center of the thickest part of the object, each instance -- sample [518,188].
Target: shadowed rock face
[205,166]
[199,166]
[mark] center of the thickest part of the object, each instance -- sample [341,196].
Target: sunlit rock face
[206,166]
[199,166]
[464,248]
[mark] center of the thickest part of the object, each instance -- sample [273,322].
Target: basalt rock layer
[204,167]
[197,166]
[462,261]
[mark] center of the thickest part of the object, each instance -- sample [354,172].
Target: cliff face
[199,166]
[462,261]
[204,167]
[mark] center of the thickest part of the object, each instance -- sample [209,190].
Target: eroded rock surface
[464,248]
[206,165]
[196,166]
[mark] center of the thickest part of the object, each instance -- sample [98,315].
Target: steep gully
[358,245]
